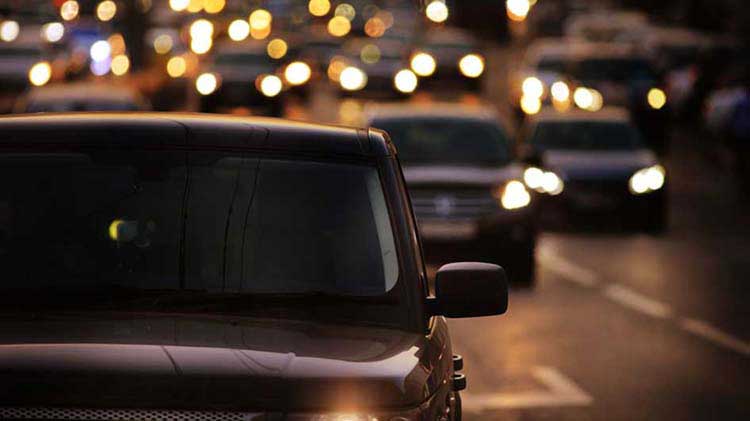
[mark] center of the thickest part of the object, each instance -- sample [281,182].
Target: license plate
[444,230]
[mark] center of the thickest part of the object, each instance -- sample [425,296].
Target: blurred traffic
[603,142]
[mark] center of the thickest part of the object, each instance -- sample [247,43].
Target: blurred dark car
[239,67]
[167,266]
[81,96]
[585,163]
[16,59]
[459,61]
[464,184]
[380,60]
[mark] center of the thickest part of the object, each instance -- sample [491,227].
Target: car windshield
[241,59]
[613,69]
[585,136]
[447,141]
[226,233]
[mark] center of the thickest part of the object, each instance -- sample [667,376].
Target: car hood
[421,175]
[597,165]
[170,362]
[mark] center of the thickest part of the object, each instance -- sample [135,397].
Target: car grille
[41,413]
[452,203]
[609,187]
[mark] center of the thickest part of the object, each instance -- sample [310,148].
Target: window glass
[586,135]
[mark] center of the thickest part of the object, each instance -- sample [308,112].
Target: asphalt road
[624,325]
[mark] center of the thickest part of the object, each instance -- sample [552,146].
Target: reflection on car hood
[456,174]
[167,362]
[598,164]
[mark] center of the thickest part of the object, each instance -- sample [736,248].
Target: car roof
[578,49]
[159,130]
[606,114]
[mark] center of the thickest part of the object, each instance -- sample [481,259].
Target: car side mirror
[470,289]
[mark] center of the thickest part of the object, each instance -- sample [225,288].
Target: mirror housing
[470,289]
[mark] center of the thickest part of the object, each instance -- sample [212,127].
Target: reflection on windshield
[134,224]
[585,136]
[447,141]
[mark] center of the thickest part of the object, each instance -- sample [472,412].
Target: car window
[616,69]
[447,141]
[288,226]
[585,136]
[245,225]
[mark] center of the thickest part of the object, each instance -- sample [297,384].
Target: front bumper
[602,197]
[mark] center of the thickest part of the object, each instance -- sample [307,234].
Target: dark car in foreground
[465,186]
[588,163]
[165,266]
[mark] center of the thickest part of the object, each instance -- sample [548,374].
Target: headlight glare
[514,195]
[532,176]
[647,180]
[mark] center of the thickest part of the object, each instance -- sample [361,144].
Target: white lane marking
[638,302]
[712,334]
[559,391]
[567,269]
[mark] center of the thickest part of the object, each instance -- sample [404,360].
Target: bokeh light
[178,5]
[116,44]
[471,65]
[120,65]
[201,28]
[201,45]
[163,44]
[260,19]
[532,87]
[69,10]
[101,67]
[370,54]
[517,10]
[531,104]
[657,98]
[423,64]
[176,67]
[583,98]
[297,73]
[214,6]
[345,10]
[405,81]
[195,6]
[106,10]
[276,48]
[339,26]
[9,30]
[100,50]
[335,67]
[238,30]
[352,78]
[53,31]
[206,83]
[319,7]
[40,73]
[436,11]
[375,27]
[560,91]
[270,85]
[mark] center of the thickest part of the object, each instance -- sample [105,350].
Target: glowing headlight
[532,87]
[551,183]
[560,91]
[656,98]
[533,177]
[543,181]
[514,195]
[423,64]
[647,180]
[471,65]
